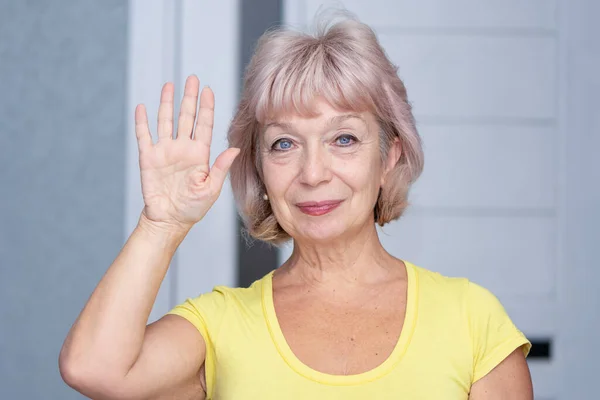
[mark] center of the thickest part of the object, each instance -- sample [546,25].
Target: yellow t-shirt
[454,333]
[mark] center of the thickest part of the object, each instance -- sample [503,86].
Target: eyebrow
[332,121]
[341,118]
[282,125]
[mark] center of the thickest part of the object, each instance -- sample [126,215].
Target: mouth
[316,208]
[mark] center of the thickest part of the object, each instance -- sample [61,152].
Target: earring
[265,197]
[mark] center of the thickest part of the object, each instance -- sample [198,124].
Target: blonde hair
[344,63]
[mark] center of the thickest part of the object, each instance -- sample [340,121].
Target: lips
[316,208]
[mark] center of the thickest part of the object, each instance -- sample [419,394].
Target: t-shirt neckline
[385,367]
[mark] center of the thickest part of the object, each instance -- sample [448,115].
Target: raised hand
[178,186]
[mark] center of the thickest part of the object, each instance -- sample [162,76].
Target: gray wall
[62,105]
[580,278]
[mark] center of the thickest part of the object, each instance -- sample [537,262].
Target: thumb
[219,170]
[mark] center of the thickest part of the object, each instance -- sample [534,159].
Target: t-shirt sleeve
[206,312]
[493,333]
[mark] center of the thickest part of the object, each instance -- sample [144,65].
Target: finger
[165,112]
[219,170]
[187,112]
[142,131]
[206,117]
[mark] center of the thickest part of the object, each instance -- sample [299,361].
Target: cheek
[360,180]
[361,173]
[278,174]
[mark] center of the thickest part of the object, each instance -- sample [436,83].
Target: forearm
[109,332]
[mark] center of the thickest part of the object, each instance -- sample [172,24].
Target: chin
[322,232]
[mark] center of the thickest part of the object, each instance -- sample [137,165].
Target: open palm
[178,186]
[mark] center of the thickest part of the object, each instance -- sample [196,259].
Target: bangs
[316,71]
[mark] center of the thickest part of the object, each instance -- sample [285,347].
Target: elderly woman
[325,147]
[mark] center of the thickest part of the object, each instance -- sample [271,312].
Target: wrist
[163,234]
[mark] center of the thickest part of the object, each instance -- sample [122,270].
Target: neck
[355,260]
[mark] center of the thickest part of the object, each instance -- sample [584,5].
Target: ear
[392,159]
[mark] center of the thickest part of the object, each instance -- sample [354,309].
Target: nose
[315,167]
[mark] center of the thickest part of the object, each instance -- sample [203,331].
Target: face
[323,174]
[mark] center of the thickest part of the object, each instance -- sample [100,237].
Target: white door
[489,83]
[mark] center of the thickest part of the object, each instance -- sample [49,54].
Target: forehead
[321,113]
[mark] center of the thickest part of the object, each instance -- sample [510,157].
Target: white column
[150,64]
[209,48]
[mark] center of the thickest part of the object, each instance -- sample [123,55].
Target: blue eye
[282,145]
[345,140]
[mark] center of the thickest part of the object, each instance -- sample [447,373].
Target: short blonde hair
[344,63]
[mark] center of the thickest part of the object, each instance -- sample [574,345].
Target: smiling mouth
[316,208]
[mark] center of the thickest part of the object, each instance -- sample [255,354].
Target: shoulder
[456,297]
[474,312]
[232,297]
[243,297]
[451,288]
[433,285]
[210,310]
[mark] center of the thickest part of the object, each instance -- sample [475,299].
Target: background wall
[62,159]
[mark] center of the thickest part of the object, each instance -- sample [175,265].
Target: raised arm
[109,352]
